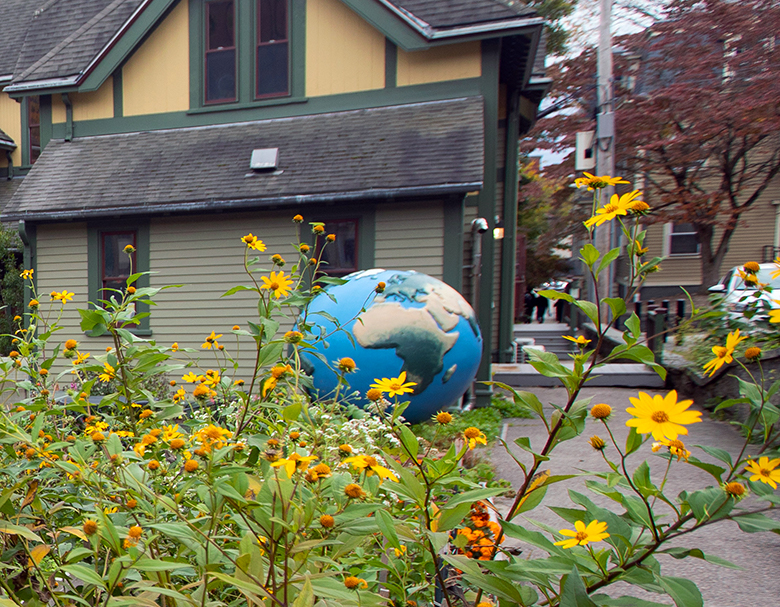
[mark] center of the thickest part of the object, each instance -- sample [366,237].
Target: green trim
[491,53]
[46,120]
[246,18]
[315,105]
[389,24]
[119,109]
[28,236]
[452,248]
[509,244]
[142,259]
[366,234]
[260,103]
[144,25]
[391,64]
[25,134]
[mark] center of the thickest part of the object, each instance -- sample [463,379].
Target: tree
[697,114]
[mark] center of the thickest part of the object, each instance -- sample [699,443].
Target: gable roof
[6,143]
[439,14]
[15,16]
[421,149]
[64,36]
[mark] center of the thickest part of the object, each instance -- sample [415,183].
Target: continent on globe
[418,324]
[414,334]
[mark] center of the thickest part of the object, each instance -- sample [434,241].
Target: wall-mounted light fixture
[498,231]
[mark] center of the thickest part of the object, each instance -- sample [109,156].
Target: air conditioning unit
[585,152]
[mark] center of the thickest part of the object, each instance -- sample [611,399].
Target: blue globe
[419,325]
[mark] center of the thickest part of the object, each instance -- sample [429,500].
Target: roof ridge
[68,39]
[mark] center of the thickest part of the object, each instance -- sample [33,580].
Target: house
[134,121]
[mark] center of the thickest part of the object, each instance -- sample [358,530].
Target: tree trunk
[711,260]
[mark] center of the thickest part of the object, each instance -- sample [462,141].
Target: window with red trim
[33,128]
[341,255]
[220,60]
[115,263]
[272,57]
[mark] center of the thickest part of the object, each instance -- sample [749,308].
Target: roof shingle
[15,16]
[453,13]
[432,147]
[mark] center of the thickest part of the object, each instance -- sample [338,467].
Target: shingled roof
[64,36]
[5,141]
[420,149]
[455,13]
[15,16]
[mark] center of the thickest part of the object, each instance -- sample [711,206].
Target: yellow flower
[268,385]
[180,395]
[64,297]
[353,582]
[278,283]
[582,535]
[211,340]
[765,471]
[34,303]
[80,358]
[443,417]
[294,462]
[752,353]
[474,436]
[252,242]
[394,386]
[191,378]
[175,346]
[346,365]
[601,411]
[597,443]
[170,432]
[71,344]
[751,279]
[752,267]
[734,489]
[579,340]
[618,205]
[354,491]
[369,464]
[723,355]
[676,448]
[108,372]
[776,273]
[594,182]
[298,219]
[293,337]
[774,315]
[662,416]
[327,521]
[26,274]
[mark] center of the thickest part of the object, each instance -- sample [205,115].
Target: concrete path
[758,553]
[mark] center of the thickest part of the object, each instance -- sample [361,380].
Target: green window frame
[247,42]
[96,231]
[364,220]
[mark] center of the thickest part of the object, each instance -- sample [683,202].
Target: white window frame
[667,248]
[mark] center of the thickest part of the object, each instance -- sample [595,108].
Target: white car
[738,297]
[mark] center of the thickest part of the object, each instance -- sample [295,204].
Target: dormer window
[273,52]
[220,58]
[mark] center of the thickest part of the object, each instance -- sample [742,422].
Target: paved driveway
[758,553]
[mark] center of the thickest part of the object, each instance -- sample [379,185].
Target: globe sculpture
[419,325]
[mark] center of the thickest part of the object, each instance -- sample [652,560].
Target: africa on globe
[418,325]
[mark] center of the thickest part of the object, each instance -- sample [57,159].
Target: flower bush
[157,479]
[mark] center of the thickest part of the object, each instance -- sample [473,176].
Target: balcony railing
[769,253]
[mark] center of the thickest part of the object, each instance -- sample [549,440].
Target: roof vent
[264,160]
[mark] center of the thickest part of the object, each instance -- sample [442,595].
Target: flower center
[610,208]
[676,444]
[371,461]
[659,417]
[395,386]
[581,535]
[765,473]
[274,286]
[720,351]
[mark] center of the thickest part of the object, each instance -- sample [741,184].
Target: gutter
[430,33]
[244,203]
[81,76]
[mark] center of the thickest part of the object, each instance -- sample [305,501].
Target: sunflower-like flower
[663,416]
[594,182]
[724,355]
[369,464]
[108,374]
[253,242]
[617,205]
[765,471]
[294,462]
[278,284]
[776,271]
[583,535]
[211,341]
[212,437]
[579,340]
[473,436]
[676,447]
[394,386]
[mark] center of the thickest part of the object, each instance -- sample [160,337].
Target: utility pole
[606,234]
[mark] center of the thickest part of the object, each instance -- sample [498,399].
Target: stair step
[625,375]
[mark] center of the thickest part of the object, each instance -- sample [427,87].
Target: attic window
[264,159]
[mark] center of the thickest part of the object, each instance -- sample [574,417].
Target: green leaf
[306,596]
[590,254]
[633,441]
[409,441]
[617,305]
[684,592]
[634,325]
[625,601]
[606,260]
[550,294]
[716,471]
[291,412]
[590,310]
[387,526]
[720,454]
[681,553]
[11,529]
[573,591]
[754,522]
[495,585]
[237,289]
[450,517]
[85,574]
[469,497]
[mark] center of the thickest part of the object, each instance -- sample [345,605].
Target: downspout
[506,322]
[478,227]
[28,260]
[68,117]
[10,164]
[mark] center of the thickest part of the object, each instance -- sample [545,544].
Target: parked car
[739,297]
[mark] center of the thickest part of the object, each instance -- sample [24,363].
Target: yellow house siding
[156,77]
[62,264]
[410,237]
[93,106]
[344,54]
[205,254]
[11,123]
[58,112]
[450,62]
